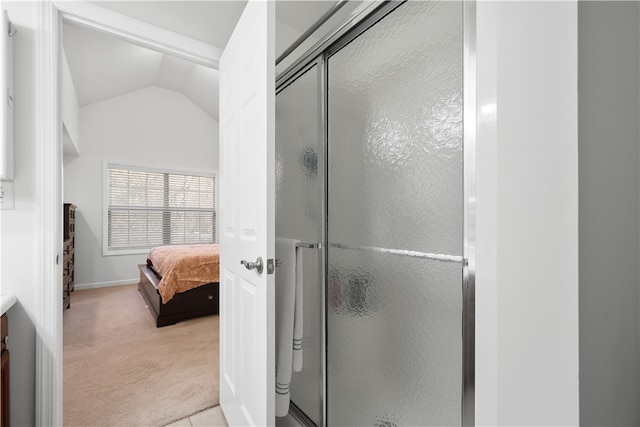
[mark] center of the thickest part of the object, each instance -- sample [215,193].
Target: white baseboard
[81,286]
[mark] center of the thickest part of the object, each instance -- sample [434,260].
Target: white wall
[285,36]
[153,126]
[609,85]
[70,111]
[527,214]
[19,228]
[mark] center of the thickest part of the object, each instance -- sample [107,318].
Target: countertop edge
[6,302]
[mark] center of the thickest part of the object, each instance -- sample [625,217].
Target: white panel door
[247,143]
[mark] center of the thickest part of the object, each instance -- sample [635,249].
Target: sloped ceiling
[103,66]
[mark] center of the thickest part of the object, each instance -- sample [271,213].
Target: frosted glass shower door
[297,217]
[395,221]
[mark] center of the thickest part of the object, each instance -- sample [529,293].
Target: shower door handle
[257,266]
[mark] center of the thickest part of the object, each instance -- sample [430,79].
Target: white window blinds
[147,208]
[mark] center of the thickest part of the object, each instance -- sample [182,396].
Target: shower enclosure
[369,174]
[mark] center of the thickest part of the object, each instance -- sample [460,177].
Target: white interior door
[247,141]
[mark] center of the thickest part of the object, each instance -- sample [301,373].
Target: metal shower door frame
[318,56]
[281,85]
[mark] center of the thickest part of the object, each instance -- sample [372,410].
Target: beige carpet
[120,370]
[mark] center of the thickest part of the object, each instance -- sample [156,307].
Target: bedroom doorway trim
[49,357]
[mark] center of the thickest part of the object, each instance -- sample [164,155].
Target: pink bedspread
[184,267]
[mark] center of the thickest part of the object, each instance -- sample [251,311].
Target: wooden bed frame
[200,301]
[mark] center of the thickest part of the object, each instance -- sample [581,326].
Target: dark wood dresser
[4,384]
[68,260]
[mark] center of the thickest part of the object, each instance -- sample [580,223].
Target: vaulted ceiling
[103,66]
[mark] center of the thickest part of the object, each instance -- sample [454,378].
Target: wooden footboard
[200,301]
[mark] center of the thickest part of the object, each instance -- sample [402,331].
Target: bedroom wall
[70,111]
[152,126]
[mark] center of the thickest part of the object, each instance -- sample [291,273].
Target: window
[147,208]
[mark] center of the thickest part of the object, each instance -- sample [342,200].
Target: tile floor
[212,417]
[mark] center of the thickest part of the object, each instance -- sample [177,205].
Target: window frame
[108,164]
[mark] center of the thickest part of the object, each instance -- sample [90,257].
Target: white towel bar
[302,245]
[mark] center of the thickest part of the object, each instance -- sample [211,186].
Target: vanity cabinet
[4,385]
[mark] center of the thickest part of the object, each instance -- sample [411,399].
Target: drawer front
[202,297]
[66,266]
[69,245]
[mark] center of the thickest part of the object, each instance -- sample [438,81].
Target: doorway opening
[150,111]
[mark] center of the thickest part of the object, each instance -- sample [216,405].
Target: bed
[181,282]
